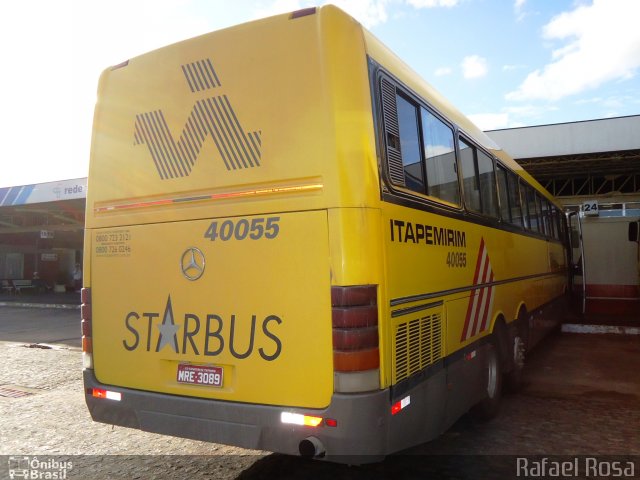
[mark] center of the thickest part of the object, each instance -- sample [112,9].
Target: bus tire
[489,406]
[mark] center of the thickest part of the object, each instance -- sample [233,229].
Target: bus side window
[525,205]
[503,192]
[540,204]
[559,220]
[552,222]
[440,155]
[470,181]
[548,218]
[514,200]
[487,185]
[410,145]
[533,210]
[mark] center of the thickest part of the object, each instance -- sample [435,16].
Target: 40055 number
[242,229]
[456,259]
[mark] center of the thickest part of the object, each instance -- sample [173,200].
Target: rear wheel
[488,407]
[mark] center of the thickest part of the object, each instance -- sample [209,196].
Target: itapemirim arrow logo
[213,116]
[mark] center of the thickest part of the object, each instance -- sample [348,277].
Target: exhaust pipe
[311,447]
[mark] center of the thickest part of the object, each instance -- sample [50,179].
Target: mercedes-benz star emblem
[192,263]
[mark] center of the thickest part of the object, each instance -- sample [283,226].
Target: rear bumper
[360,437]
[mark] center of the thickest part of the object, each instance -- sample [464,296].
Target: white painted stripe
[577,328]
[478,294]
[486,293]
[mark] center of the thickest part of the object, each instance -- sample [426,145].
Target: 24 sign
[590,207]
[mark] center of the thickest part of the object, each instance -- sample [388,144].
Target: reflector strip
[396,407]
[100,393]
[208,197]
[299,419]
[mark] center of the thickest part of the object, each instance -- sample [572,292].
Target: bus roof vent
[391,132]
[303,13]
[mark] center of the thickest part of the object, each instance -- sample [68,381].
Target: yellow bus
[295,244]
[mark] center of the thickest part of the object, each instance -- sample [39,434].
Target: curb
[40,305]
[578,328]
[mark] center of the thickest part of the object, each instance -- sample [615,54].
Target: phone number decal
[113,243]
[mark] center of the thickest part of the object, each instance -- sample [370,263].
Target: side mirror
[634,235]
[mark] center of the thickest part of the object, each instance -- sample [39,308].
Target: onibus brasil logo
[210,117]
[38,468]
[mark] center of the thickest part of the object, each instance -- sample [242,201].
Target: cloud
[490,121]
[511,117]
[443,71]
[433,3]
[509,68]
[602,44]
[518,8]
[368,12]
[474,66]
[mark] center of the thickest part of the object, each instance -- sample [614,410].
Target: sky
[504,63]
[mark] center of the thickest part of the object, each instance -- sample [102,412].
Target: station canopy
[52,211]
[596,157]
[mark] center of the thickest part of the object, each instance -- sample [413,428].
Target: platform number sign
[590,208]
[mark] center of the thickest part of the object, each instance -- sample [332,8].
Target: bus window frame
[513,182]
[418,126]
[502,170]
[404,193]
[476,148]
[539,206]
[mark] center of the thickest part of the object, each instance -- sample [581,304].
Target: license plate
[199,375]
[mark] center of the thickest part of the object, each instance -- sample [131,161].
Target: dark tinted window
[533,209]
[546,216]
[440,155]
[410,145]
[478,180]
[525,205]
[488,195]
[514,200]
[470,181]
[503,193]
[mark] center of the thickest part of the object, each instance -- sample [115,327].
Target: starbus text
[208,334]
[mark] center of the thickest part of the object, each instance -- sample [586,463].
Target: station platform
[599,323]
[68,300]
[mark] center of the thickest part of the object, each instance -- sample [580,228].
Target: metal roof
[575,138]
[592,157]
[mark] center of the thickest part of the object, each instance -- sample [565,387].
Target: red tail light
[86,314]
[355,328]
